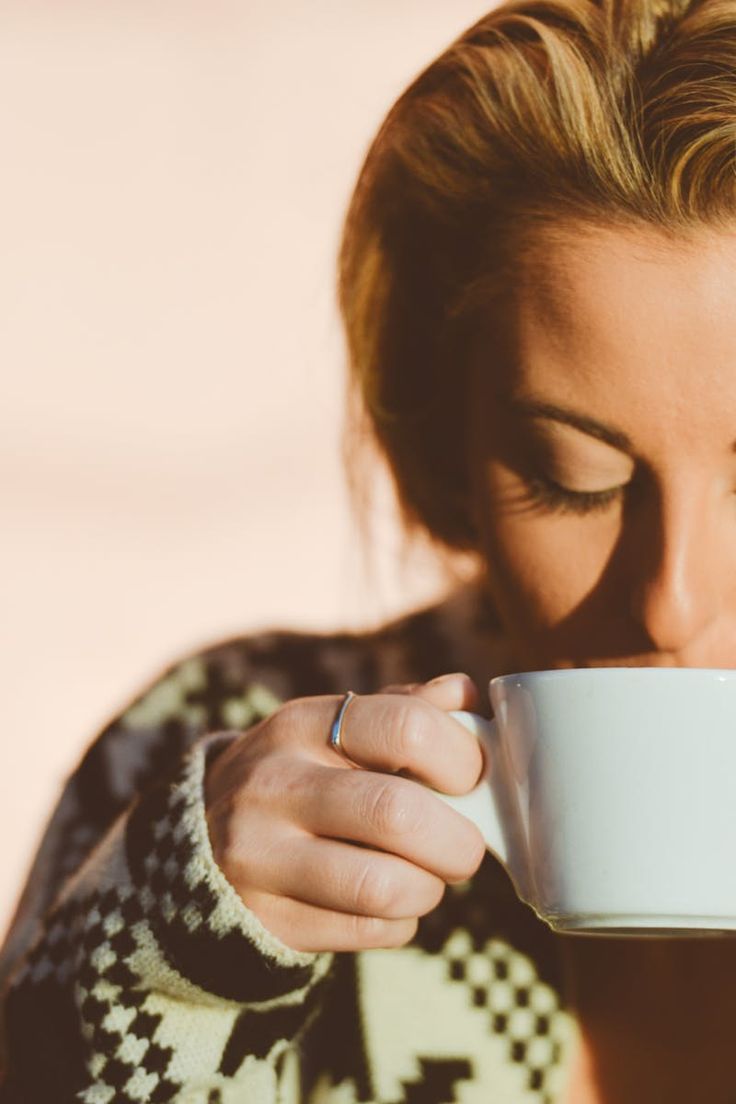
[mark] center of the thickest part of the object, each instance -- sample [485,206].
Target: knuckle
[268,780]
[438,892]
[411,729]
[399,933]
[277,920]
[371,931]
[476,857]
[469,856]
[288,718]
[368,930]
[428,895]
[375,892]
[234,864]
[473,763]
[391,810]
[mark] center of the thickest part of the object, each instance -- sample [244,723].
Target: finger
[339,876]
[454,691]
[400,688]
[382,732]
[390,814]
[391,733]
[304,927]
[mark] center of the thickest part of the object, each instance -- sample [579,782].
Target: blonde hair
[622,111]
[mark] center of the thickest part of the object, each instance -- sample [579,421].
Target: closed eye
[550,495]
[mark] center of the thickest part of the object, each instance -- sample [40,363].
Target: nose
[680,570]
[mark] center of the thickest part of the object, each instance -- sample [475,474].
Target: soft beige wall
[172,184]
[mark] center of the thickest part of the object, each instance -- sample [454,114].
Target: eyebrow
[532,408]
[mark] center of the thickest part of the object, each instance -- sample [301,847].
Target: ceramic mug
[609,795]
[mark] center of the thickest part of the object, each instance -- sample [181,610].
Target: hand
[334,858]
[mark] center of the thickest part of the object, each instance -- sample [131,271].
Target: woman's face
[604,449]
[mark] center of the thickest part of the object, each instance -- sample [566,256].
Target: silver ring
[336,730]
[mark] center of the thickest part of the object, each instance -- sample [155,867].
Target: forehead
[624,319]
[577,277]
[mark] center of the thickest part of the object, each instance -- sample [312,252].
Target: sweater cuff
[202,927]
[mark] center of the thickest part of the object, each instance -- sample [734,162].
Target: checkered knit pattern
[153,955]
[522,1009]
[133,972]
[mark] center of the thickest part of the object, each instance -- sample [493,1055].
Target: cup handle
[480,804]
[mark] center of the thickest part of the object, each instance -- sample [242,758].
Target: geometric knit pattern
[133,972]
[158,966]
[522,1010]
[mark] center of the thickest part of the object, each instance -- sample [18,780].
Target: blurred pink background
[173,180]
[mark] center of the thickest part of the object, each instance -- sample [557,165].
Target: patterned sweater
[134,972]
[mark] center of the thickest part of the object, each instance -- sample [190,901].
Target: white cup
[609,795]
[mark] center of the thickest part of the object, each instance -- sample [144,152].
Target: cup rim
[722,674]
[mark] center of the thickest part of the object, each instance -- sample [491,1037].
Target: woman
[536,280]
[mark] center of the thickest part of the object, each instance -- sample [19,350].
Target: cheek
[542,566]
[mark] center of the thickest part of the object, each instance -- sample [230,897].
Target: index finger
[452,691]
[407,734]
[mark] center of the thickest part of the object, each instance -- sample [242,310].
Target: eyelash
[545,492]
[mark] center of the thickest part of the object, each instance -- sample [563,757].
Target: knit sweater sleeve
[134,972]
